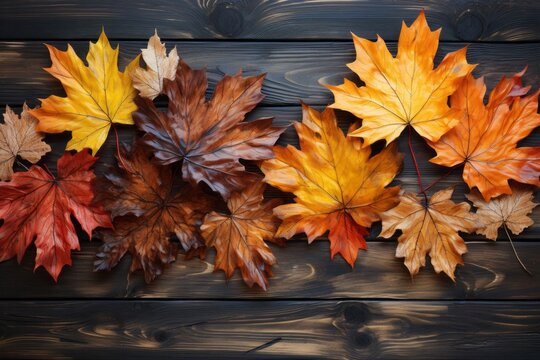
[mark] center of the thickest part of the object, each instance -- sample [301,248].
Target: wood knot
[356,314]
[470,25]
[363,339]
[161,336]
[227,19]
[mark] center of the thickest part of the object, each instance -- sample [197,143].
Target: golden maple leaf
[159,66]
[18,137]
[508,211]
[338,187]
[405,90]
[98,95]
[485,140]
[429,229]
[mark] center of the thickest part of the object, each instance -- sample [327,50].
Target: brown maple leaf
[37,207]
[18,137]
[508,211]
[239,237]
[159,66]
[429,229]
[149,205]
[208,138]
[485,140]
[339,186]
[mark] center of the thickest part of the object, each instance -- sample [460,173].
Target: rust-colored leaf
[36,207]
[18,137]
[208,138]
[338,187]
[429,229]
[149,205]
[485,140]
[405,90]
[239,237]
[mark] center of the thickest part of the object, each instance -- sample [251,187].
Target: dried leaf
[36,207]
[149,205]
[429,229]
[338,187]
[159,66]
[208,138]
[239,237]
[486,138]
[509,211]
[18,137]
[405,90]
[98,95]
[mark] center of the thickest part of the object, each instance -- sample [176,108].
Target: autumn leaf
[239,237]
[508,211]
[405,90]
[485,140]
[429,229]
[208,138]
[18,137]
[37,207]
[338,187]
[98,95]
[149,205]
[159,66]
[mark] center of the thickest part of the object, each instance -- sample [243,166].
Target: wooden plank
[276,329]
[482,20]
[295,69]
[303,271]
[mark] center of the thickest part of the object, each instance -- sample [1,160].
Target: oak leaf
[508,211]
[485,140]
[149,205]
[429,229]
[239,237]
[18,137]
[338,187]
[405,90]
[208,138]
[98,95]
[159,66]
[36,207]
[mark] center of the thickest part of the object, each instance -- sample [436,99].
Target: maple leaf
[429,229]
[159,66]
[36,205]
[509,211]
[97,96]
[338,187]
[239,237]
[149,205]
[18,137]
[405,90]
[208,138]
[485,140]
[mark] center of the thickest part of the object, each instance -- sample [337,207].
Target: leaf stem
[118,155]
[22,165]
[48,170]
[515,252]
[440,178]
[420,186]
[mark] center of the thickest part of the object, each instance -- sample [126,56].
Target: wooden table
[314,308]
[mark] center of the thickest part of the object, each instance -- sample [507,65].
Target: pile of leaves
[180,186]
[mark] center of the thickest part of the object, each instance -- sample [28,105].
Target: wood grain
[275,329]
[295,70]
[303,271]
[481,20]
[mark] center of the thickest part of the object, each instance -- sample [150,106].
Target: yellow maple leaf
[97,95]
[405,90]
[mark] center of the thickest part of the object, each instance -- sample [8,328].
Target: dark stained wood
[295,70]
[303,271]
[481,20]
[276,329]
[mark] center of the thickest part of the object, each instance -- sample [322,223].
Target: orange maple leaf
[338,187]
[405,90]
[485,140]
